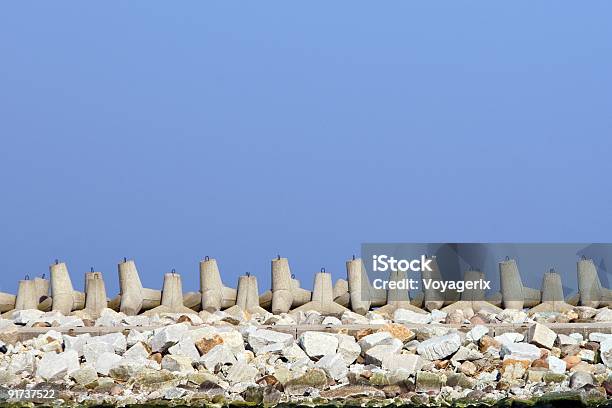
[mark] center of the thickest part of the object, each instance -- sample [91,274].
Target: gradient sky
[165,131]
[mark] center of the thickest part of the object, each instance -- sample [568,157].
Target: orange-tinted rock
[204,345]
[488,341]
[571,361]
[398,331]
[541,362]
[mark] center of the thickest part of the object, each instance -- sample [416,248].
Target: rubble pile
[434,358]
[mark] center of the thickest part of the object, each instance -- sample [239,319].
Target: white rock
[137,352]
[605,351]
[23,362]
[117,340]
[317,344]
[105,362]
[520,351]
[261,338]
[377,354]
[331,321]
[134,336]
[577,336]
[93,351]
[509,338]
[185,347]
[375,339]
[241,372]
[54,366]
[293,353]
[25,316]
[438,348]
[566,340]
[467,354]
[556,365]
[348,348]
[410,362]
[349,317]
[438,316]
[599,337]
[587,355]
[76,342]
[233,339]
[176,363]
[408,316]
[541,335]
[603,315]
[166,337]
[476,333]
[334,365]
[218,355]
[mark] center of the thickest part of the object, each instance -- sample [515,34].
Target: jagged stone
[176,363]
[185,347]
[377,354]
[262,337]
[541,335]
[375,339]
[348,348]
[334,365]
[217,356]
[54,366]
[476,333]
[520,351]
[168,336]
[106,361]
[428,382]
[317,344]
[85,376]
[241,372]
[439,347]
[406,316]
[409,362]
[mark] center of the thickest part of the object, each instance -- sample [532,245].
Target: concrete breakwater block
[473,298]
[552,295]
[247,299]
[215,295]
[134,298]
[65,298]
[592,293]
[322,297]
[286,293]
[171,296]
[514,294]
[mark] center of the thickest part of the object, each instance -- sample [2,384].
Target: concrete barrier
[514,294]
[359,286]
[65,298]
[134,298]
[215,295]
[472,299]
[286,291]
[95,294]
[552,295]
[247,298]
[592,293]
[171,296]
[398,298]
[322,297]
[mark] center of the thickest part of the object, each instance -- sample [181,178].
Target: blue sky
[166,132]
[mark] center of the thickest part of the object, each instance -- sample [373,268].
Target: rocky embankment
[221,358]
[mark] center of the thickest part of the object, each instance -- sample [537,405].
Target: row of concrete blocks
[286,295]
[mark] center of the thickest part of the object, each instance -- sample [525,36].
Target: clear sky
[168,131]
